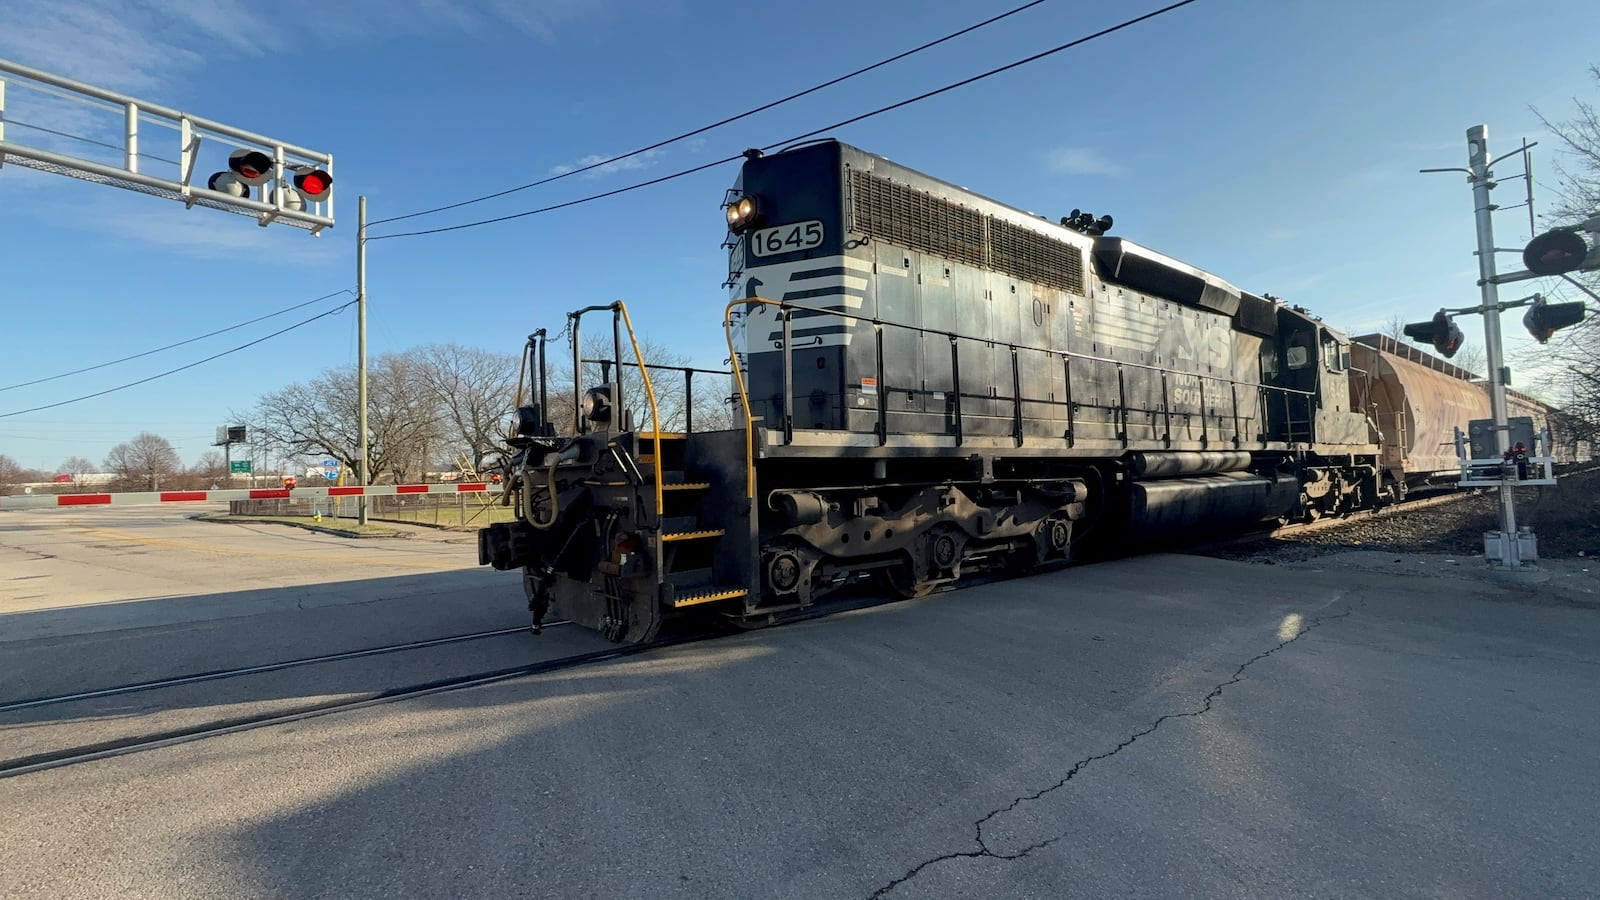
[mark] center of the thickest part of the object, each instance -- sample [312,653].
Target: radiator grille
[1031,256]
[898,214]
[902,215]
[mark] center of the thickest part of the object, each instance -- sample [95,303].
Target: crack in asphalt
[984,851]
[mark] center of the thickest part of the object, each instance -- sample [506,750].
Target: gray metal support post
[131,153]
[361,352]
[1478,160]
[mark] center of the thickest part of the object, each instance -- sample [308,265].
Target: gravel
[1566,518]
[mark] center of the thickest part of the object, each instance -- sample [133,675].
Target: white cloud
[634,163]
[142,46]
[1082,161]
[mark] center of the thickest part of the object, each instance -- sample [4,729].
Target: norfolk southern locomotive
[929,384]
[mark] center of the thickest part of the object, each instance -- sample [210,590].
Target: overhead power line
[79,137]
[122,387]
[850,121]
[728,121]
[286,309]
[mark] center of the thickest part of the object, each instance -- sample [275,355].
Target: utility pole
[1479,175]
[361,351]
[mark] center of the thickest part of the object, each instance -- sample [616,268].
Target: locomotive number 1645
[787,238]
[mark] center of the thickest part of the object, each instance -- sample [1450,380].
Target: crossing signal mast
[1554,253]
[267,179]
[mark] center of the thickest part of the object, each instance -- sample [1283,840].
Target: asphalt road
[66,571]
[1168,726]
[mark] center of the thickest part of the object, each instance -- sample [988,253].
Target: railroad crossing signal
[252,169]
[1442,332]
[1564,250]
[270,180]
[1543,319]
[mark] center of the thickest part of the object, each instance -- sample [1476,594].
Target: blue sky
[1274,143]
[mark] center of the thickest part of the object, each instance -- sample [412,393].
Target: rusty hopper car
[928,384]
[1415,402]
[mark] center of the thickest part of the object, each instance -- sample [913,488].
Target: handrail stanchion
[1066,369]
[787,317]
[883,388]
[744,398]
[1016,397]
[650,396]
[1233,389]
[955,383]
[544,379]
[1166,412]
[688,400]
[577,375]
[618,405]
[1205,440]
[1122,406]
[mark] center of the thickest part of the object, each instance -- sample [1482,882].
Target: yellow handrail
[744,396]
[655,412]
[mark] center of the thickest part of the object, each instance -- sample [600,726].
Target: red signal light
[252,166]
[313,184]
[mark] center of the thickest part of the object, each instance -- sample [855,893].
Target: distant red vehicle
[288,481]
[63,479]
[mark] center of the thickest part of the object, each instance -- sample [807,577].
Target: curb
[322,529]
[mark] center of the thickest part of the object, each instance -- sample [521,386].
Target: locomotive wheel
[749,623]
[903,584]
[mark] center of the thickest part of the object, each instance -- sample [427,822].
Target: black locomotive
[930,384]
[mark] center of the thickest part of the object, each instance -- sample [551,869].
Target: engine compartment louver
[903,215]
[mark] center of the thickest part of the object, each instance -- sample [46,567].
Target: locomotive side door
[1289,378]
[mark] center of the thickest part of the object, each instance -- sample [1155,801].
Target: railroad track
[221,674]
[1363,515]
[70,756]
[122,746]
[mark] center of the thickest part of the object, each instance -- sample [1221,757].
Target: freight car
[1416,402]
[928,384]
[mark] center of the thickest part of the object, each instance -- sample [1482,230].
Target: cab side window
[1335,358]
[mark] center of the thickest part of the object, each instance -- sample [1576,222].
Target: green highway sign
[239,467]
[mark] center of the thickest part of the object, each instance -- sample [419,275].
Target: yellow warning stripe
[694,535]
[696,599]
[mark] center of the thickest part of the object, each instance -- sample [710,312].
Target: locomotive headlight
[525,421]
[596,405]
[742,214]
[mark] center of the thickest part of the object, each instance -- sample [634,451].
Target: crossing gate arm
[154,498]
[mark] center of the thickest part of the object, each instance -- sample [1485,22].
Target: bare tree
[77,467]
[1572,358]
[211,468]
[1395,327]
[319,418]
[144,461]
[10,473]
[1472,358]
[473,391]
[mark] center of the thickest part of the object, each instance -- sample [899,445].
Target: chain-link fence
[441,510]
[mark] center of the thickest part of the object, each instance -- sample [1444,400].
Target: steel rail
[219,674]
[55,759]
